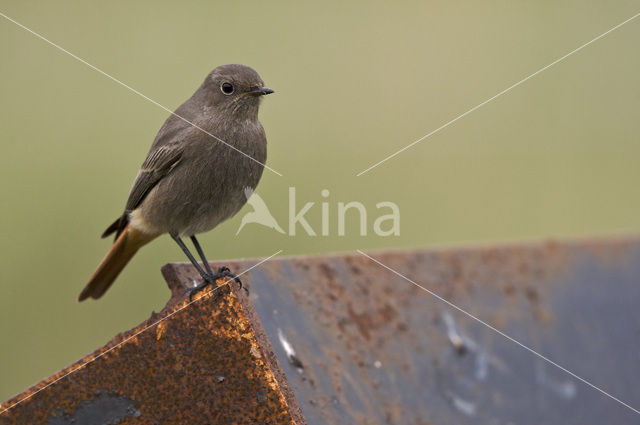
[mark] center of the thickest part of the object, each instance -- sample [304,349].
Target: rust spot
[366,322]
[532,294]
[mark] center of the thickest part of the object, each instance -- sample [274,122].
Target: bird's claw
[223,272]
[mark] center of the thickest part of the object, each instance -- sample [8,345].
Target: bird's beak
[260,91]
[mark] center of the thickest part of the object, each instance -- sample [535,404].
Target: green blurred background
[556,157]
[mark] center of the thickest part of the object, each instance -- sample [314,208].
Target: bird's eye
[227,88]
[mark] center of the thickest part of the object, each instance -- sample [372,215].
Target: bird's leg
[223,272]
[191,258]
[209,279]
[201,254]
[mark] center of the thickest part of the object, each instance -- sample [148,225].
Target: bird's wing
[159,163]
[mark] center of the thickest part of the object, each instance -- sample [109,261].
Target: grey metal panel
[375,349]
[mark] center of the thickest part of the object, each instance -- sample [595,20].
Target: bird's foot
[223,273]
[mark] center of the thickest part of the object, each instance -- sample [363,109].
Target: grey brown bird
[190,181]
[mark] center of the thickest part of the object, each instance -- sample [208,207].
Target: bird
[194,177]
[260,213]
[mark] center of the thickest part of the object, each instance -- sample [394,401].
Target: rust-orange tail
[123,249]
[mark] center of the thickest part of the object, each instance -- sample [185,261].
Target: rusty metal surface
[370,348]
[359,345]
[209,363]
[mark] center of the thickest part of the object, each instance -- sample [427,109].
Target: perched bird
[195,174]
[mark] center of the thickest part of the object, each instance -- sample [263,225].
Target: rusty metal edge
[169,272]
[567,241]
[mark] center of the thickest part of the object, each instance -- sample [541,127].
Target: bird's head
[236,90]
